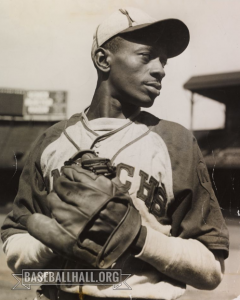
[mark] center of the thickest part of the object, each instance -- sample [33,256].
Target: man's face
[137,69]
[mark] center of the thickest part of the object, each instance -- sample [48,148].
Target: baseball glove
[89,160]
[93,218]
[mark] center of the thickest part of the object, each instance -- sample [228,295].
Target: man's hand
[93,218]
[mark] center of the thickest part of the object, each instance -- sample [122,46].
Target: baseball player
[115,186]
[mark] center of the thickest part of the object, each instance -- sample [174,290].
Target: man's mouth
[153,86]
[157,85]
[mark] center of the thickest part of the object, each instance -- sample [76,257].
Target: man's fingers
[77,173]
[48,232]
[85,177]
[69,216]
[60,209]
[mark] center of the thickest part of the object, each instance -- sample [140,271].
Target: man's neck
[105,106]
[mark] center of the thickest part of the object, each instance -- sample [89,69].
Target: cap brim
[173,33]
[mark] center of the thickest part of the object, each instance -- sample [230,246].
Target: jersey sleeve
[195,211]
[32,189]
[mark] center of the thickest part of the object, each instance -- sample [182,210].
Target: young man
[175,234]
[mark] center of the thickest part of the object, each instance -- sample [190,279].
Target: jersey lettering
[130,171]
[150,192]
[150,187]
[158,205]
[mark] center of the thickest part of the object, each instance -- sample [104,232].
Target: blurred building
[24,115]
[221,147]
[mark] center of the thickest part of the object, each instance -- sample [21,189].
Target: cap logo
[125,12]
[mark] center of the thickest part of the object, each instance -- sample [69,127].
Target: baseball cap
[173,33]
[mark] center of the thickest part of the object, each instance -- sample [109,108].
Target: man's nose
[157,69]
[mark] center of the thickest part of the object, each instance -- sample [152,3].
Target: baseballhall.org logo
[71,277]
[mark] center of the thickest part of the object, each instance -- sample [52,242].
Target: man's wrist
[139,241]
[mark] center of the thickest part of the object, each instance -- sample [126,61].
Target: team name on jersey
[150,191]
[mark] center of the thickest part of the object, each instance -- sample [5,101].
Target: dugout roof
[221,148]
[219,87]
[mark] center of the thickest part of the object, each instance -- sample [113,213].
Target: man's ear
[102,59]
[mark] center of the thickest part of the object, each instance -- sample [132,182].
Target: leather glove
[93,219]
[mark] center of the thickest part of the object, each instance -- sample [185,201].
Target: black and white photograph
[120,149]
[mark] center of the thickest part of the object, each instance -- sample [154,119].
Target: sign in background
[33,103]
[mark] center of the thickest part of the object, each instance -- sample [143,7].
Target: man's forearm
[24,251]
[188,261]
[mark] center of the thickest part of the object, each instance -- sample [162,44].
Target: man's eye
[146,56]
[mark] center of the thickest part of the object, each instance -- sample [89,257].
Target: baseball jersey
[160,164]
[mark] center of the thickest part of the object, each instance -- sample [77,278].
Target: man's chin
[148,103]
